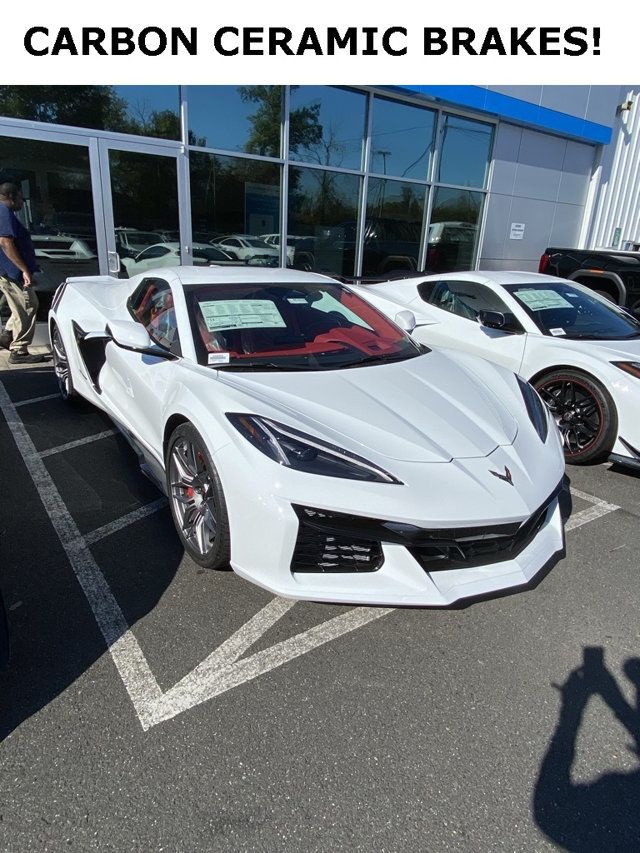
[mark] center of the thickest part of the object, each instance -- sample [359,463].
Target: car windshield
[257,244]
[564,311]
[291,327]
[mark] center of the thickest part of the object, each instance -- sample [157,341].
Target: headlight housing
[295,449]
[632,367]
[536,409]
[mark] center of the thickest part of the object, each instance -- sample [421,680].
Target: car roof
[500,277]
[244,274]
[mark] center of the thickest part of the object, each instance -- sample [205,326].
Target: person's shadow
[603,815]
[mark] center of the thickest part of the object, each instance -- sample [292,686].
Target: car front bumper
[265,528]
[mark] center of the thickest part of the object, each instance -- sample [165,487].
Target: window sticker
[222,314]
[557,332]
[218,358]
[540,300]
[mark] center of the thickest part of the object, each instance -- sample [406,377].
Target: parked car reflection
[244,247]
[168,255]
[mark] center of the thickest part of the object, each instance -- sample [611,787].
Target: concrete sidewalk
[40,345]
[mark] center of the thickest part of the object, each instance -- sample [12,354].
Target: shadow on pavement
[602,815]
[54,636]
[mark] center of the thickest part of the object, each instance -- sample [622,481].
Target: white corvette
[311,443]
[579,350]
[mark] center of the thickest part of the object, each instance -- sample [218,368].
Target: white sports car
[579,350]
[310,442]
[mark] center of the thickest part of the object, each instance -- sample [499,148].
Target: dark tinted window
[142,110]
[463,298]
[466,149]
[393,226]
[401,139]
[232,195]
[238,118]
[323,212]
[327,126]
[453,232]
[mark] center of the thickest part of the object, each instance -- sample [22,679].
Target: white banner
[328,42]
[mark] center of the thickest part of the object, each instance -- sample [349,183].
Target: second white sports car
[310,442]
[579,350]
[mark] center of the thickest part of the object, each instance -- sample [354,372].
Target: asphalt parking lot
[220,718]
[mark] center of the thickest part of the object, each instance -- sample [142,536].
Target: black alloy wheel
[584,412]
[197,500]
[61,366]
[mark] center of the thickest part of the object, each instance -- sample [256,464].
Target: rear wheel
[584,411]
[197,500]
[61,366]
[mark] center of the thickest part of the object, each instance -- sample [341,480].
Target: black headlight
[536,409]
[295,449]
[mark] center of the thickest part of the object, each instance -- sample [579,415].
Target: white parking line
[221,671]
[123,646]
[591,513]
[124,521]
[37,400]
[224,668]
[77,443]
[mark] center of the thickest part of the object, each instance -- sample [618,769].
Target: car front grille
[319,549]
[337,542]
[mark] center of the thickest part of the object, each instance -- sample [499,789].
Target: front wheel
[197,500]
[61,366]
[584,411]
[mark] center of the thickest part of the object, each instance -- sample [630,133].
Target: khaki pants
[23,302]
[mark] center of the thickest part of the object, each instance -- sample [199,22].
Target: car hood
[424,409]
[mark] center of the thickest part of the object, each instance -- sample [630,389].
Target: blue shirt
[10,226]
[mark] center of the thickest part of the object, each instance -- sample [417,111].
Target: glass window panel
[463,298]
[323,220]
[466,149]
[58,208]
[234,202]
[326,126]
[393,226]
[452,238]
[141,110]
[401,139]
[237,118]
[144,219]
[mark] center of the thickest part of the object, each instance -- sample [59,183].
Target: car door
[456,305]
[137,383]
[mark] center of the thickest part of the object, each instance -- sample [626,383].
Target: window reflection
[323,218]
[140,110]
[58,208]
[235,205]
[144,219]
[393,226]
[401,139]
[327,126]
[236,118]
[453,232]
[466,148]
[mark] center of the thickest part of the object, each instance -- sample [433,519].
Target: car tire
[196,498]
[584,411]
[61,367]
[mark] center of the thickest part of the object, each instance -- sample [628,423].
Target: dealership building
[362,181]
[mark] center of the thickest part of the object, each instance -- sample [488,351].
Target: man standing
[17,266]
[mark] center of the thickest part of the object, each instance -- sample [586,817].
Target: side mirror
[491,319]
[406,320]
[129,335]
